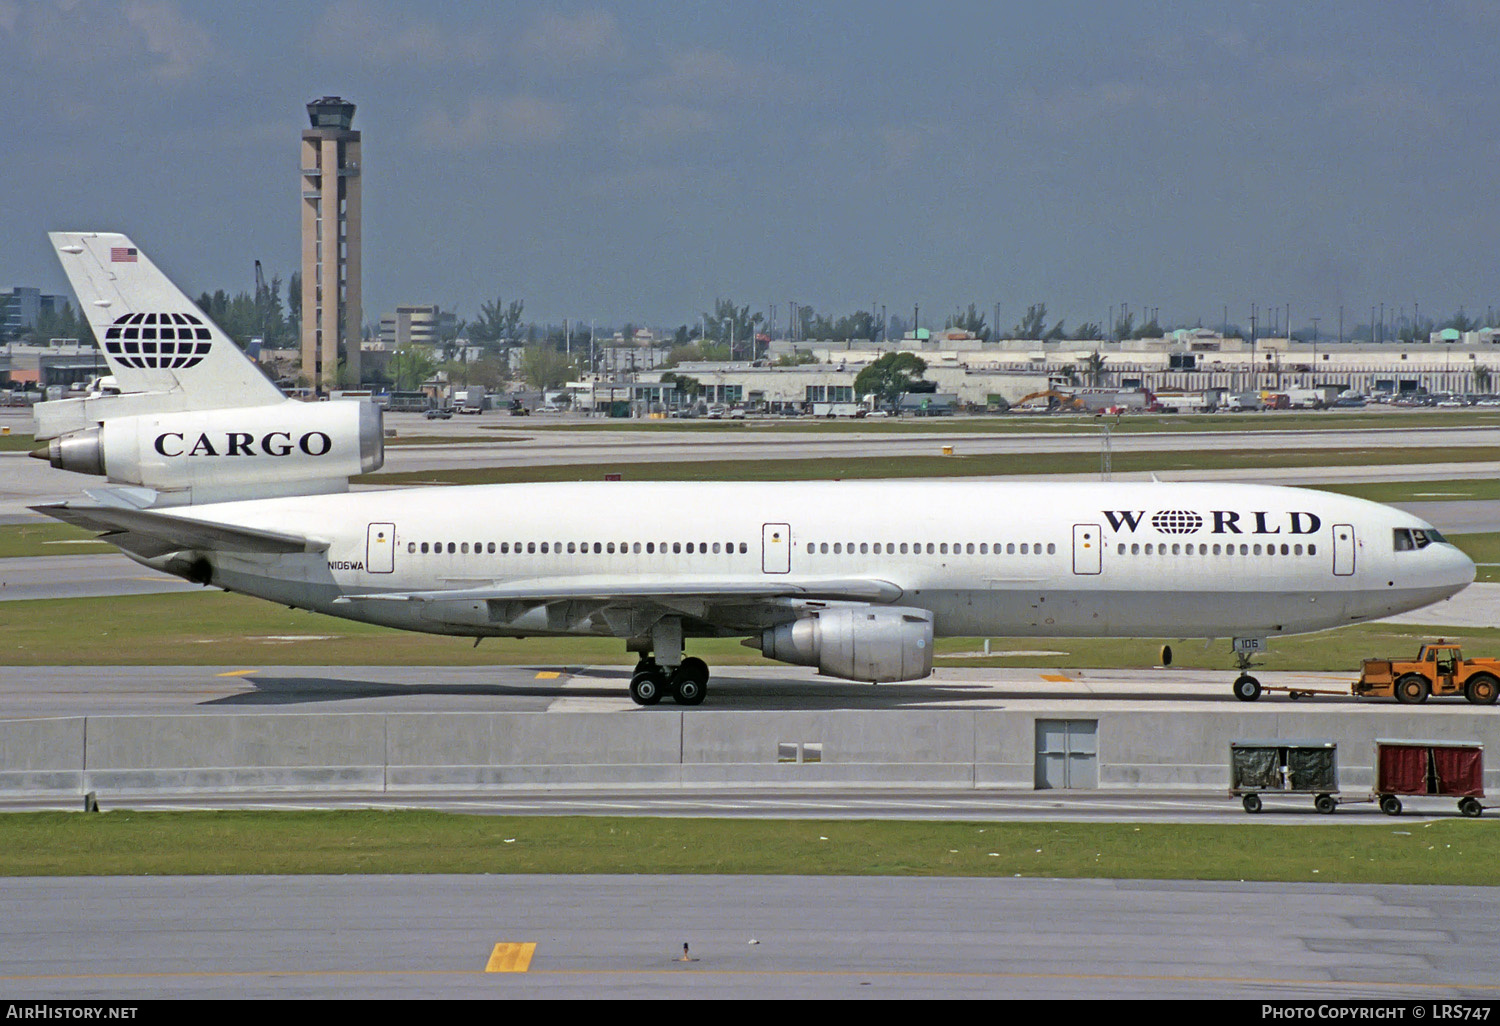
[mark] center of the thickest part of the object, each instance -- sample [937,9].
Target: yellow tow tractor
[1439,669]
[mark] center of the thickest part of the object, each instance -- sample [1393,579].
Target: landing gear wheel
[1390,805]
[689,691]
[1251,802]
[647,686]
[1246,688]
[1325,803]
[1470,807]
[1412,689]
[1482,689]
[690,681]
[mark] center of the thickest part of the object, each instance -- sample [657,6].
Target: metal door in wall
[1343,549]
[380,549]
[1088,549]
[1067,754]
[776,548]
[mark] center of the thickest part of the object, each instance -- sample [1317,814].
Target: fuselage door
[776,548]
[1343,550]
[380,549]
[1088,549]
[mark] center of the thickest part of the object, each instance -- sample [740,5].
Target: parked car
[439,413]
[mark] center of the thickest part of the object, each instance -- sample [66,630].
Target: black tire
[1390,805]
[1470,807]
[1412,689]
[689,691]
[1325,803]
[1246,688]
[693,668]
[1482,689]
[1251,802]
[646,687]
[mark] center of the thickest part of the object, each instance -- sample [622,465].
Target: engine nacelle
[216,455]
[878,644]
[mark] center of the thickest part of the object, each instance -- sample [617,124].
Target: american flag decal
[122,255]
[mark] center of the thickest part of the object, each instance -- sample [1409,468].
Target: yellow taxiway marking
[510,958]
[548,675]
[236,673]
[1057,677]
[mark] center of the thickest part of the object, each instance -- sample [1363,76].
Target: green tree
[497,322]
[50,324]
[542,366]
[687,386]
[729,323]
[1150,329]
[1088,331]
[890,376]
[1034,324]
[1093,369]
[294,308]
[410,366]
[1483,378]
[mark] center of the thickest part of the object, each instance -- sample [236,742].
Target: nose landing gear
[1246,687]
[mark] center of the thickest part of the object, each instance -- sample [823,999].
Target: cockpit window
[1407,539]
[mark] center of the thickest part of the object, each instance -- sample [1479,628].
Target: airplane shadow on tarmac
[725,693]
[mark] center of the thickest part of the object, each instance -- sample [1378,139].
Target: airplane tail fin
[153,337]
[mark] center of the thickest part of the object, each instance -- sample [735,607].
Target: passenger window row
[578,548]
[931,548]
[1203,549]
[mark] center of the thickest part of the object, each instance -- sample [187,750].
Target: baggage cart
[1429,768]
[1283,766]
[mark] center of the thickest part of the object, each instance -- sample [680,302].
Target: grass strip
[49,538]
[939,466]
[249,843]
[1451,490]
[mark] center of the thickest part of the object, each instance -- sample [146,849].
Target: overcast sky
[634,162]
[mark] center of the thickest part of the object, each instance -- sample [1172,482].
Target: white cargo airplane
[222,480]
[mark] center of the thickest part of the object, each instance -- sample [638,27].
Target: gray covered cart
[1283,766]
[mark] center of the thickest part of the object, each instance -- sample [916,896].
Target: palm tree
[1094,367]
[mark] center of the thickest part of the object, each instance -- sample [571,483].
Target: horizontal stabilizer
[176,532]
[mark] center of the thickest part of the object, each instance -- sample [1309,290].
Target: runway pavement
[127,939]
[52,691]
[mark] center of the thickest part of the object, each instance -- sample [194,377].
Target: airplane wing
[151,532]
[630,606]
[606,589]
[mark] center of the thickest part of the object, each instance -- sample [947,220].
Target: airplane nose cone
[1464,570]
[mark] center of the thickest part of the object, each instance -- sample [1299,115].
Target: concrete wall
[391,752]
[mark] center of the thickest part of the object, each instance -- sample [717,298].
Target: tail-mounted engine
[290,448]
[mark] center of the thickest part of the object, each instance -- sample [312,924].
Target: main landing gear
[687,683]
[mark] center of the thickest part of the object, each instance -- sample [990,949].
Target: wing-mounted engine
[196,456]
[879,644]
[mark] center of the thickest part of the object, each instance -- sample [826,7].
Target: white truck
[839,409]
[473,400]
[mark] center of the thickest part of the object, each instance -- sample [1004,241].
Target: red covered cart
[1429,768]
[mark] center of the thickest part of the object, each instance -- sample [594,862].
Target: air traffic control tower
[331,315]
